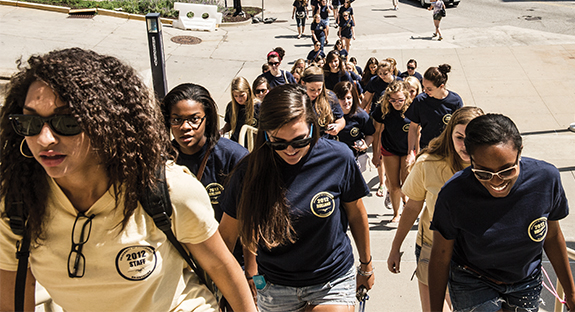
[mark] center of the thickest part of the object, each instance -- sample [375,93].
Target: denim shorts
[472,292]
[339,291]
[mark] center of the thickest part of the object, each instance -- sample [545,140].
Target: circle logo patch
[354,132]
[214,191]
[446,118]
[405,128]
[322,204]
[538,229]
[136,263]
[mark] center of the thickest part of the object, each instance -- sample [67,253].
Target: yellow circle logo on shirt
[354,131]
[446,118]
[322,204]
[136,263]
[538,229]
[214,191]
[405,128]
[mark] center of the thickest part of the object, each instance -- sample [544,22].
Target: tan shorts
[423,264]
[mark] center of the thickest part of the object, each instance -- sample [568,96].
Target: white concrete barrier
[204,16]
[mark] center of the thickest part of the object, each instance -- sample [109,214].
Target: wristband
[368,262]
[364,273]
[249,277]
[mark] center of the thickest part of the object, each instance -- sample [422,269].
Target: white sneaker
[387,201]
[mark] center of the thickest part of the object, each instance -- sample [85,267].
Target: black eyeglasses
[259,91]
[279,146]
[76,260]
[194,121]
[273,63]
[410,67]
[30,125]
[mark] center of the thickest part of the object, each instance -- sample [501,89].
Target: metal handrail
[560,292]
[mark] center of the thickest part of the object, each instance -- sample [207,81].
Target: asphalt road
[553,16]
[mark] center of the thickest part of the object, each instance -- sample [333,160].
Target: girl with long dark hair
[291,201]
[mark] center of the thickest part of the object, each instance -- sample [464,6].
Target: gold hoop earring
[22,150]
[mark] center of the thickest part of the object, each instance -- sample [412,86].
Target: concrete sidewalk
[525,74]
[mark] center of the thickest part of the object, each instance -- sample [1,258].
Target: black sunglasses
[273,63]
[258,91]
[279,146]
[409,67]
[30,125]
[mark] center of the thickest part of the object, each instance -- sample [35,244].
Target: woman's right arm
[412,142]
[7,283]
[366,103]
[408,216]
[376,159]
[229,230]
[227,127]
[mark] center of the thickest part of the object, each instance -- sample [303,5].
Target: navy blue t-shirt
[377,86]
[313,54]
[323,12]
[357,81]
[318,29]
[241,120]
[343,9]
[316,188]
[331,79]
[432,114]
[280,80]
[335,110]
[417,75]
[359,70]
[357,127]
[221,161]
[501,238]
[395,130]
[345,27]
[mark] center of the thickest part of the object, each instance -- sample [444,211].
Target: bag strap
[18,225]
[285,76]
[156,202]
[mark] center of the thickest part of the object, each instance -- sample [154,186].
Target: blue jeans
[339,291]
[470,291]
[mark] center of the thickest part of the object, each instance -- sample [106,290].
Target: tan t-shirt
[136,269]
[424,182]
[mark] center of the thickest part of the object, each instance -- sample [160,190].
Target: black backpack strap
[156,202]
[18,226]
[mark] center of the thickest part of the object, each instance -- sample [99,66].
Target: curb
[66,10]
[105,12]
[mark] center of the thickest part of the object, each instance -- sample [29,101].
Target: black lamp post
[157,60]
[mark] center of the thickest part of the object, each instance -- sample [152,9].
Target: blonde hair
[414,82]
[241,84]
[296,63]
[394,87]
[385,64]
[393,63]
[321,105]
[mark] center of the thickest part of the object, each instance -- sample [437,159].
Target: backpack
[156,203]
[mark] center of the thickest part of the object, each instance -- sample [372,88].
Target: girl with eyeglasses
[324,102]
[493,221]
[242,109]
[334,70]
[390,140]
[358,131]
[82,139]
[261,87]
[275,75]
[291,201]
[431,110]
[435,165]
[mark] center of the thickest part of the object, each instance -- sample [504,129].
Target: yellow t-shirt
[424,182]
[136,269]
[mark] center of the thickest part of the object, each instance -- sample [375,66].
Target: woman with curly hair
[324,102]
[241,110]
[82,138]
[391,128]
[291,201]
